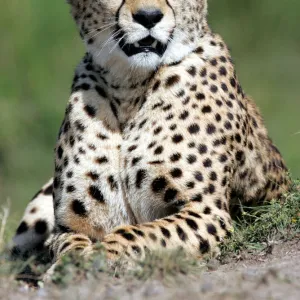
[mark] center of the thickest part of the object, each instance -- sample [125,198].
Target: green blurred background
[39,49]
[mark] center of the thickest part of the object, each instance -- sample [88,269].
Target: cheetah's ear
[75,8]
[74,3]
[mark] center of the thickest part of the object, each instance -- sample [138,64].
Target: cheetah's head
[140,34]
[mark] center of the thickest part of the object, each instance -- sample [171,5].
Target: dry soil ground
[275,275]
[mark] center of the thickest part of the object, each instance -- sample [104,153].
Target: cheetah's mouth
[146,45]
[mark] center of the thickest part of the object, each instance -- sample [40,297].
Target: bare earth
[272,276]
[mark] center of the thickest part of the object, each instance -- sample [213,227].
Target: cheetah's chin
[146,45]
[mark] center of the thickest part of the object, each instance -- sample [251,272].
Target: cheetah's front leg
[196,230]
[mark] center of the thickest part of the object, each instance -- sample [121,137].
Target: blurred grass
[40,48]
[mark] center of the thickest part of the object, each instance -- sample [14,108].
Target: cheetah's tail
[36,225]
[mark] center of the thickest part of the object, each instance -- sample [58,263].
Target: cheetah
[157,142]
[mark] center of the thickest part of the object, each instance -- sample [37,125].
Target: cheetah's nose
[148,17]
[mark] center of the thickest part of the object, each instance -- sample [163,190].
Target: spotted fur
[153,148]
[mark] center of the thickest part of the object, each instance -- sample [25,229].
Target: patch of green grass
[260,226]
[163,265]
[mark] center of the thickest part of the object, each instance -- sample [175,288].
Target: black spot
[90,111]
[115,252]
[140,176]
[172,80]
[213,88]
[96,193]
[194,128]
[224,87]
[211,229]
[213,76]
[207,210]
[207,163]
[213,176]
[40,227]
[112,183]
[114,109]
[206,109]
[202,149]
[94,176]
[101,160]
[218,117]
[182,235]
[239,155]
[156,162]
[156,86]
[177,138]
[214,62]
[184,115]
[78,208]
[181,93]
[211,128]
[23,227]
[204,246]
[126,235]
[159,150]
[79,126]
[157,130]
[136,249]
[211,189]
[152,236]
[138,232]
[100,91]
[175,157]
[33,210]
[238,138]
[159,184]
[163,243]
[70,188]
[223,158]
[200,96]
[132,148]
[190,184]
[191,159]
[192,71]
[193,214]
[192,224]
[135,160]
[199,50]
[170,195]
[48,190]
[60,152]
[203,72]
[198,175]
[223,71]
[176,173]
[169,220]
[197,198]
[165,232]
[218,203]
[101,137]
[228,125]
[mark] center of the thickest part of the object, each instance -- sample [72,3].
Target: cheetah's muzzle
[146,45]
